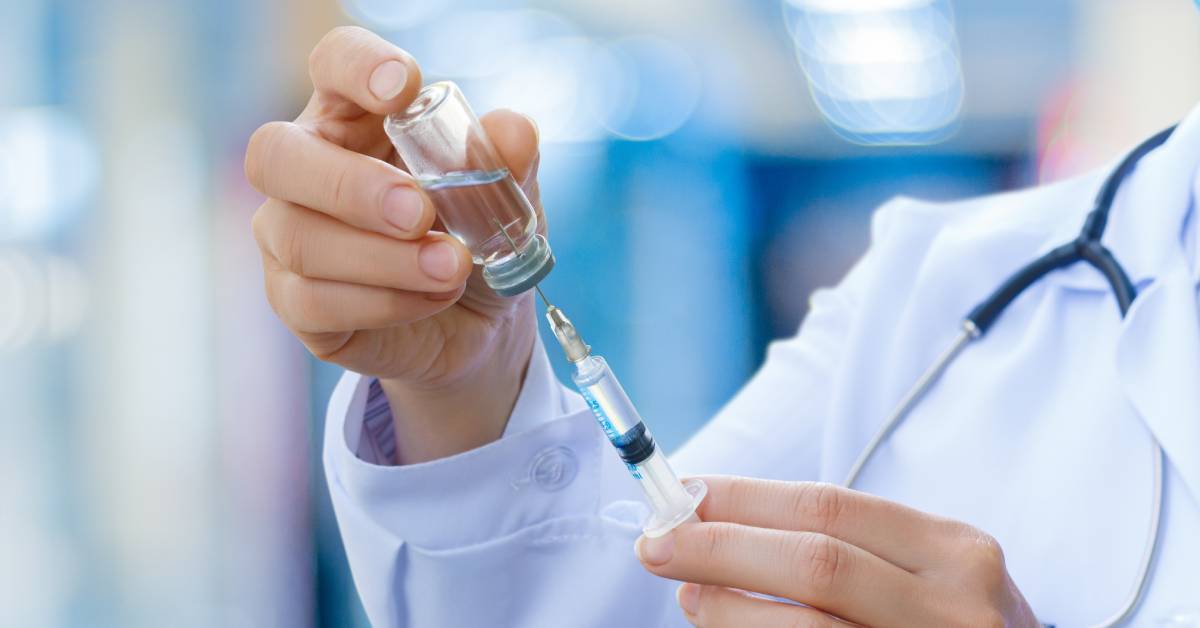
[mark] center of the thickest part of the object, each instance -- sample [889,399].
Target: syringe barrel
[613,411]
[671,501]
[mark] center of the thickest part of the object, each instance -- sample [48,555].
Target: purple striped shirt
[378,442]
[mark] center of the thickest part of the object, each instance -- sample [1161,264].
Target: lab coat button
[553,468]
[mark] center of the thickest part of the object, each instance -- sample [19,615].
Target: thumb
[515,137]
[354,70]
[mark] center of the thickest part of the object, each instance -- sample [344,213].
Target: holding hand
[848,556]
[355,263]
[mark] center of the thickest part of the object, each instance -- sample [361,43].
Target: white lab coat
[1038,434]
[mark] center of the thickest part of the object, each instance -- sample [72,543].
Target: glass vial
[445,148]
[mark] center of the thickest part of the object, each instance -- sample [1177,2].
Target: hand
[848,556]
[353,263]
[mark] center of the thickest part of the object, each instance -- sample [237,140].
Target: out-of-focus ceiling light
[880,71]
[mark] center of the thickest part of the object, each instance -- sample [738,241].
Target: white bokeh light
[477,44]
[551,80]
[651,88]
[48,168]
[44,296]
[394,14]
[862,42]
[880,72]
[857,6]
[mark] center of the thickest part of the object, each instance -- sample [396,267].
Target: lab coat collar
[1158,351]
[1151,209]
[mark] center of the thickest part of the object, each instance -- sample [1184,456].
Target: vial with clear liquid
[445,148]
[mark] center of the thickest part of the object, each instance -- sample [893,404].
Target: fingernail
[438,260]
[656,551]
[388,79]
[688,596]
[403,208]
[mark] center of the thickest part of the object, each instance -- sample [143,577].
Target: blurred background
[160,430]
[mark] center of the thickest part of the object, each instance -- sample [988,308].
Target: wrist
[470,411]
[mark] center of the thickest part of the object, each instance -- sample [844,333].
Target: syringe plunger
[671,501]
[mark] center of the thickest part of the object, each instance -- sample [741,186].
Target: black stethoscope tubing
[1085,248]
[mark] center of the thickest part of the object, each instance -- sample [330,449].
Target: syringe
[672,502]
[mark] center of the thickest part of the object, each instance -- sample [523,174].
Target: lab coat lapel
[1158,357]
[1158,351]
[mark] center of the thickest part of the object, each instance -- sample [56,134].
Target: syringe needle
[543,295]
[512,243]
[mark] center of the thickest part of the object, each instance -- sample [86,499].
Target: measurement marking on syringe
[606,424]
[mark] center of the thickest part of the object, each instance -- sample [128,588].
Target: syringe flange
[657,526]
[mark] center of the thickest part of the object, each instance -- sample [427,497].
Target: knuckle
[290,247]
[820,562]
[985,551]
[334,348]
[340,190]
[261,149]
[714,542]
[327,352]
[336,39]
[259,224]
[323,354]
[398,308]
[982,558]
[274,287]
[738,492]
[302,302]
[823,504]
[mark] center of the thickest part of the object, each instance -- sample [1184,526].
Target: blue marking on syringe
[615,437]
[605,423]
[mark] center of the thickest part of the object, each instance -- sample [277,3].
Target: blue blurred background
[706,165]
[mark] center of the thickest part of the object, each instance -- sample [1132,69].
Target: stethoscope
[1085,248]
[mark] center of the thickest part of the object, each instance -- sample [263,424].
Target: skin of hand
[355,264]
[848,557]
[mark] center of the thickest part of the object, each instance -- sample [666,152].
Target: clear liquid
[486,209]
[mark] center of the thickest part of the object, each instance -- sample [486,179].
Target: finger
[807,567]
[516,139]
[394,352]
[316,305]
[353,70]
[287,161]
[720,607]
[906,537]
[313,245]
